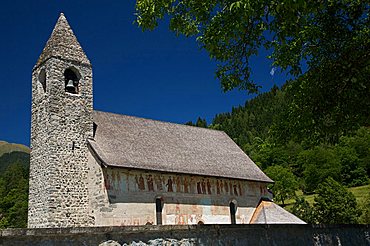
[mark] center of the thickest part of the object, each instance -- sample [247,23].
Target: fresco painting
[188,199]
[120,182]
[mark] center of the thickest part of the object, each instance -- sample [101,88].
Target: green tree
[189,123]
[303,210]
[318,164]
[365,207]
[335,205]
[14,196]
[324,45]
[285,182]
[360,142]
[201,122]
[352,173]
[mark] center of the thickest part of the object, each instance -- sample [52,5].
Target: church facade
[93,168]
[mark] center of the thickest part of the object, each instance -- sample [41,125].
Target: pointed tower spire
[63,44]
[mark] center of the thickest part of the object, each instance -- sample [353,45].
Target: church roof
[268,212]
[132,142]
[63,44]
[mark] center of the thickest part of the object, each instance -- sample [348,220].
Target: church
[93,168]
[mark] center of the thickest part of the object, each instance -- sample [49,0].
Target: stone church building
[93,168]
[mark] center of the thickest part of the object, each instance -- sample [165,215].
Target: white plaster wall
[119,196]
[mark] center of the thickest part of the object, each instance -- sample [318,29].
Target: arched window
[71,79]
[158,209]
[232,212]
[42,79]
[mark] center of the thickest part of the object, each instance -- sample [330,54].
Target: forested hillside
[297,161]
[14,172]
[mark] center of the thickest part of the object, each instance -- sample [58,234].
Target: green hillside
[268,131]
[6,147]
[360,193]
[12,153]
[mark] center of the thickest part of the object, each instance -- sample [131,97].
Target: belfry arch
[72,80]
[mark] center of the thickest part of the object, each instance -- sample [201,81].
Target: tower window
[71,79]
[42,79]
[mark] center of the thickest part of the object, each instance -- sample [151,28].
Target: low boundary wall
[191,235]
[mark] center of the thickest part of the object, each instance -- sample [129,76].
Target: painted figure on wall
[158,181]
[149,180]
[199,189]
[169,185]
[178,184]
[140,182]
[203,186]
[186,185]
[192,185]
[235,190]
[209,187]
[181,219]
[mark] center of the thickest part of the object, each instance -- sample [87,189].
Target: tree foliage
[335,205]
[315,34]
[285,182]
[318,164]
[14,196]
[303,210]
[324,45]
[199,123]
[365,206]
[14,171]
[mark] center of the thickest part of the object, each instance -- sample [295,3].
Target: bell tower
[62,105]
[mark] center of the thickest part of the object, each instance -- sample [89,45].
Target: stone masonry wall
[127,197]
[192,235]
[61,124]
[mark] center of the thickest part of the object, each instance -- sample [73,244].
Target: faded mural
[117,181]
[185,199]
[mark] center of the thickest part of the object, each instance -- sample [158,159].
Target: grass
[359,192]
[6,147]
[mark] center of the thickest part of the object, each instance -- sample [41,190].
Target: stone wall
[121,197]
[61,124]
[192,235]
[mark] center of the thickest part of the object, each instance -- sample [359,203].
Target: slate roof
[268,212]
[63,44]
[132,142]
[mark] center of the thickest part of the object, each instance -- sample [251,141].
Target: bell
[70,84]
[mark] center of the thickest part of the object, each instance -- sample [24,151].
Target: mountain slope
[6,147]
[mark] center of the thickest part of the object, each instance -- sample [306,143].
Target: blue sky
[147,74]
